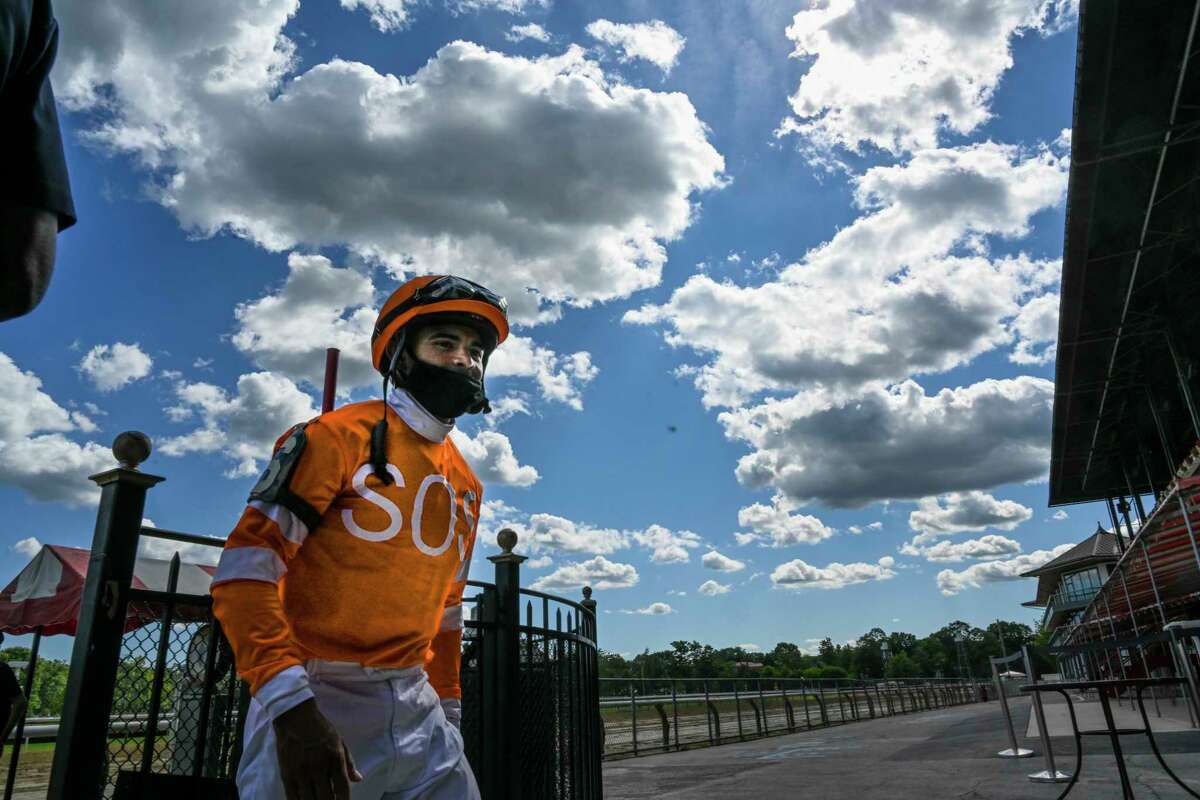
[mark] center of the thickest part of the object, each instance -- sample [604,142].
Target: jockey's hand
[314,762]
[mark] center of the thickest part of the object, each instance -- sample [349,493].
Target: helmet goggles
[446,287]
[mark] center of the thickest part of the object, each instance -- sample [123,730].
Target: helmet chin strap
[380,430]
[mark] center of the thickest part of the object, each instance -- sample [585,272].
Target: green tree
[833,672]
[613,665]
[787,658]
[902,666]
[826,650]
[49,688]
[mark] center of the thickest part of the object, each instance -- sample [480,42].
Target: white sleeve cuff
[284,691]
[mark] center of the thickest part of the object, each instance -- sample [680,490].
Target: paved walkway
[948,753]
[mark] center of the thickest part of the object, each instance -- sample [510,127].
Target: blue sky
[785,280]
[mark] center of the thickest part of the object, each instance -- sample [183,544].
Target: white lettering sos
[396,517]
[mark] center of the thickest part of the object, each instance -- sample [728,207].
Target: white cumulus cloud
[985,547]
[896,443]
[655,609]
[529,31]
[36,454]
[957,512]
[712,588]
[389,16]
[244,427]
[655,41]
[546,533]
[896,74]
[491,456]
[667,546]
[28,547]
[386,15]
[318,306]
[165,550]
[1036,329]
[110,367]
[976,575]
[559,378]
[714,560]
[776,526]
[799,574]
[598,572]
[568,195]
[908,288]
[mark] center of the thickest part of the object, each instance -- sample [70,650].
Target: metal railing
[1067,600]
[644,716]
[157,658]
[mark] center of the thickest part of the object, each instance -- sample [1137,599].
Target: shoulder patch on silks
[272,487]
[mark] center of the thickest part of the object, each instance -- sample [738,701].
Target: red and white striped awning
[48,591]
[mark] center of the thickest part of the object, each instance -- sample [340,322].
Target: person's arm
[445,651]
[19,704]
[10,688]
[27,246]
[36,202]
[305,474]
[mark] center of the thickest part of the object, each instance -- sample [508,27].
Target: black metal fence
[1171,653]
[154,709]
[644,716]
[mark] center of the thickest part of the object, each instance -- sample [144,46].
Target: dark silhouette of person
[12,699]
[35,194]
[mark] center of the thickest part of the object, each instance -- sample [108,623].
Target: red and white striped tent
[48,591]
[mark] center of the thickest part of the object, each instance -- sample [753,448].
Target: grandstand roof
[1129,293]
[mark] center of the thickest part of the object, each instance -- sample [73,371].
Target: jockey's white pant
[393,723]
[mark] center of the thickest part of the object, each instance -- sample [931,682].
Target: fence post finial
[507,539]
[131,448]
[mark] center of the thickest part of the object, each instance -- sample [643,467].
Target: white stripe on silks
[452,619]
[292,528]
[249,564]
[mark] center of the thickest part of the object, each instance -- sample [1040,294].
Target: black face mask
[445,393]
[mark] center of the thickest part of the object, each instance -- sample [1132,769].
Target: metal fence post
[80,754]
[592,692]
[1051,773]
[15,757]
[1014,751]
[788,712]
[708,713]
[633,713]
[510,723]
[737,702]
[675,713]
[763,702]
[160,667]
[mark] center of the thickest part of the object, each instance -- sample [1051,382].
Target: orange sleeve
[444,658]
[246,585]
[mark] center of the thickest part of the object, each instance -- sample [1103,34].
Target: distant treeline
[909,657]
[131,692]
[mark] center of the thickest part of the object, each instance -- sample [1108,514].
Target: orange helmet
[437,294]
